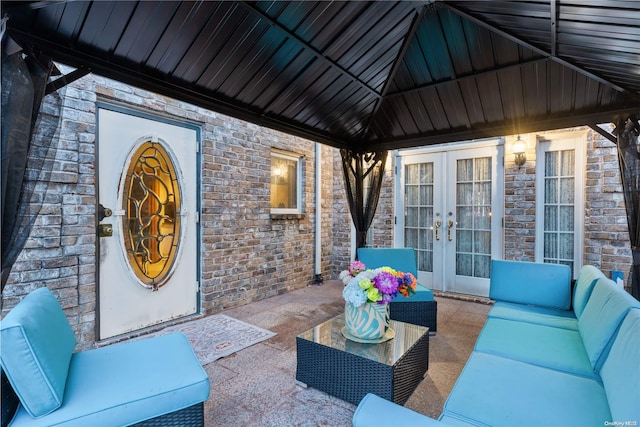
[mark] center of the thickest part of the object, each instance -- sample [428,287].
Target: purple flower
[386,283]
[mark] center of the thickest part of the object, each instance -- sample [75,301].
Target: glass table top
[329,334]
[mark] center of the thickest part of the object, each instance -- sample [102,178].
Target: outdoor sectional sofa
[150,382]
[538,361]
[419,309]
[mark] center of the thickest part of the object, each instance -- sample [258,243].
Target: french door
[449,209]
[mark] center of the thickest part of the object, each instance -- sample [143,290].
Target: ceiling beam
[173,89]
[66,79]
[491,27]
[603,132]
[493,130]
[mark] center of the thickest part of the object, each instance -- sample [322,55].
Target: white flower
[354,294]
[345,276]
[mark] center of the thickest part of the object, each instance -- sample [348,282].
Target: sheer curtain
[419,220]
[627,132]
[559,200]
[473,213]
[28,144]
[363,170]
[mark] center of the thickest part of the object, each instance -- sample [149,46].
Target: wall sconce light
[520,157]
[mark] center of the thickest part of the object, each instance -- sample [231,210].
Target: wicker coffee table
[327,361]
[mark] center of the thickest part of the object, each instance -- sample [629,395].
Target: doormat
[218,336]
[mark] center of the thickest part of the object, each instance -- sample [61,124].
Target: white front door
[450,210]
[148,269]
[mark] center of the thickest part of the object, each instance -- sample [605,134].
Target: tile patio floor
[256,386]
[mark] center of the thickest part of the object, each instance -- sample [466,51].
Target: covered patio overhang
[364,77]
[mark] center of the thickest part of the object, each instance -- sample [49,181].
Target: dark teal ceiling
[363,75]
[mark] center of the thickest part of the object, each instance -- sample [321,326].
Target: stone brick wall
[342,222]
[606,239]
[520,207]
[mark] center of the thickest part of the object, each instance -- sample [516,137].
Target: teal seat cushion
[421,294]
[607,306]
[584,286]
[126,383]
[37,346]
[531,283]
[401,259]
[547,346]
[374,411]
[621,370]
[501,392]
[531,314]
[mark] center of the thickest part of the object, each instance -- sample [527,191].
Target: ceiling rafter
[466,77]
[554,27]
[318,54]
[494,28]
[417,19]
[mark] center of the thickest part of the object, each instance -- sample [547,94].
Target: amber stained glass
[152,221]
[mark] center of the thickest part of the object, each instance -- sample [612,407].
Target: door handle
[438,224]
[450,224]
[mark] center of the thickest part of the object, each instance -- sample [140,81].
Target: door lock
[103,212]
[105,230]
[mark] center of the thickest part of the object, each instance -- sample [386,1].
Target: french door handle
[438,224]
[450,224]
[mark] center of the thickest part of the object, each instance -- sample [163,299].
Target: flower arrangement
[380,285]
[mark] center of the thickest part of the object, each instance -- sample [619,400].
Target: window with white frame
[286,182]
[560,200]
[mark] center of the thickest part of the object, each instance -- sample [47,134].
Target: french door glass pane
[559,211]
[473,210]
[418,224]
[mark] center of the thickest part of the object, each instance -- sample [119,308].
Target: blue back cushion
[532,283]
[37,345]
[620,372]
[400,259]
[584,285]
[601,317]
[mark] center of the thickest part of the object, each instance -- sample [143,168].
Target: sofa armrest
[374,411]
[531,283]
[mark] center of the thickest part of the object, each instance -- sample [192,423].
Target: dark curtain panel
[27,137]
[363,174]
[627,132]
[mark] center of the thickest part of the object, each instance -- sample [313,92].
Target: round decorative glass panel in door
[151,224]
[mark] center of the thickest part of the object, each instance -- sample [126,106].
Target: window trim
[556,142]
[298,158]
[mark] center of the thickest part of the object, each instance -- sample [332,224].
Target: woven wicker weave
[423,313]
[192,416]
[350,376]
